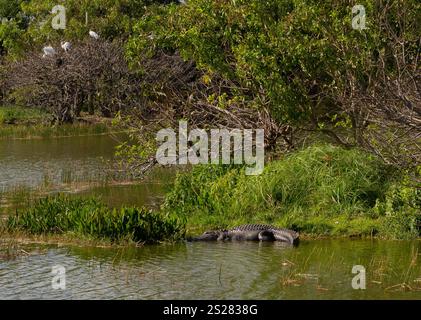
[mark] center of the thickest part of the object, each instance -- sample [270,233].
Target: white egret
[49,51]
[66,45]
[94,35]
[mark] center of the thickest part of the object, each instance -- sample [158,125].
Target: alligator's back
[263,232]
[279,233]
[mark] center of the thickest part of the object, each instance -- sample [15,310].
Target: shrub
[92,76]
[12,115]
[9,116]
[402,210]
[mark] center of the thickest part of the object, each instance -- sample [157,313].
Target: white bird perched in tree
[48,51]
[94,35]
[66,45]
[182,2]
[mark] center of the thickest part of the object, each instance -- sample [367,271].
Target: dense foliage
[89,217]
[13,22]
[302,60]
[28,22]
[321,190]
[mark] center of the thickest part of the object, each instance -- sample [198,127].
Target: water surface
[81,165]
[320,269]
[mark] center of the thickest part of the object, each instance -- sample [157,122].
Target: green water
[83,165]
[54,160]
[318,269]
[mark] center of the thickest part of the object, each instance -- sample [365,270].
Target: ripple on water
[160,272]
[230,270]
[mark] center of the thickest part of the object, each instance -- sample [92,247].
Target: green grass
[320,191]
[48,131]
[29,123]
[91,218]
[15,115]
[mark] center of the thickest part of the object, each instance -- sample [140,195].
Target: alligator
[256,232]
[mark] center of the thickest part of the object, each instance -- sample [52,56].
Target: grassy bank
[28,123]
[91,219]
[49,131]
[320,191]
[19,115]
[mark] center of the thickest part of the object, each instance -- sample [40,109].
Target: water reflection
[32,162]
[74,165]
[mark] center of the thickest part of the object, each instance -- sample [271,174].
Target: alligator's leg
[284,237]
[223,236]
[266,235]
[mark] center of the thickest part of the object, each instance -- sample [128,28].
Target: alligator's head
[212,235]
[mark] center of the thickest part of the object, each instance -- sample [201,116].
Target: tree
[12,24]
[302,61]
